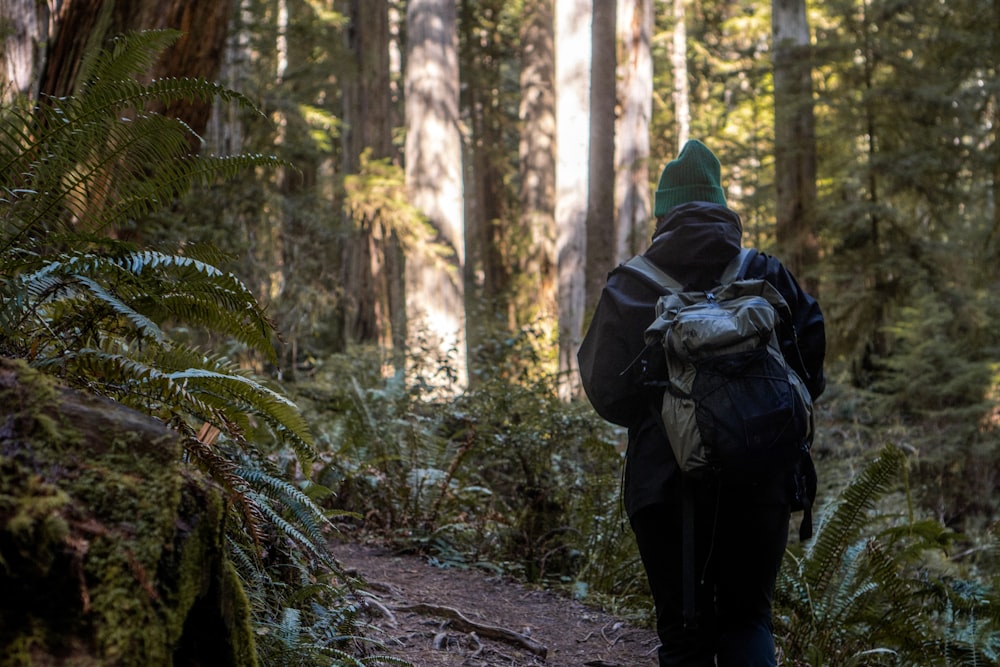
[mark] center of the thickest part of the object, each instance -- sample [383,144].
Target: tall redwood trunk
[574,55]
[434,274]
[369,265]
[635,100]
[198,53]
[794,141]
[601,222]
[537,266]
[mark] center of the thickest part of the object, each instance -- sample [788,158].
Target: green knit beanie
[693,176]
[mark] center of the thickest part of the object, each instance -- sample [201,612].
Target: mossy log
[111,548]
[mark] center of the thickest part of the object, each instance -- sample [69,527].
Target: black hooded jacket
[693,243]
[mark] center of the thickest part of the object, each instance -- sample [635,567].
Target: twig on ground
[370,601]
[479,645]
[460,622]
[615,627]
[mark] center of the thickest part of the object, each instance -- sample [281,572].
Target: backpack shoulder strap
[738,265]
[652,275]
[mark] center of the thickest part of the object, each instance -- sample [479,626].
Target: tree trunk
[794,141]
[537,293]
[198,53]
[601,233]
[573,71]
[434,178]
[26,26]
[484,57]
[678,64]
[367,276]
[635,95]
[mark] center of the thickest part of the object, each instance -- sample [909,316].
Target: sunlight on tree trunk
[26,26]
[573,64]
[678,63]
[434,181]
[367,264]
[537,294]
[635,95]
[794,142]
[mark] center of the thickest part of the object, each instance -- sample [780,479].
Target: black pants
[739,545]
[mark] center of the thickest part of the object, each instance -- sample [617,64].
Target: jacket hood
[694,242]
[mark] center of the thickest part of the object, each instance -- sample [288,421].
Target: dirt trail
[436,617]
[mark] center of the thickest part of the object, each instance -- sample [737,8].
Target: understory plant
[503,477]
[874,587]
[116,318]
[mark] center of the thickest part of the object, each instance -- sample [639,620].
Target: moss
[236,614]
[33,529]
[109,545]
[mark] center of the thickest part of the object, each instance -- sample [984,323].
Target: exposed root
[463,624]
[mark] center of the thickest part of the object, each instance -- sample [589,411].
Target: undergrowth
[505,477]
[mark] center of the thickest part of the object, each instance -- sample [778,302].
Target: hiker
[740,529]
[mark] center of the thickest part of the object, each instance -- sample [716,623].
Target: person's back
[739,530]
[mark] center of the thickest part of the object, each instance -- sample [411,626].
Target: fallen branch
[460,622]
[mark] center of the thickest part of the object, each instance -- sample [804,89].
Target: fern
[111,317]
[860,593]
[99,159]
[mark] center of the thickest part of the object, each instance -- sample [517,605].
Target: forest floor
[450,617]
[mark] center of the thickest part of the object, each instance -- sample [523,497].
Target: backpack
[732,405]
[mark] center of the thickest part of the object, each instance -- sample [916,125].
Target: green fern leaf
[839,529]
[143,324]
[250,396]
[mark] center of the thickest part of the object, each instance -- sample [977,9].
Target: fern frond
[100,158]
[145,326]
[839,529]
[191,291]
[292,532]
[130,55]
[251,397]
[140,385]
[246,562]
[305,512]
[148,286]
[898,617]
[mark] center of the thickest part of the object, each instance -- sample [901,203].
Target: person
[740,532]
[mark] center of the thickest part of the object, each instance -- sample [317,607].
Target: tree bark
[484,54]
[198,53]
[794,141]
[635,95]
[678,63]
[435,296]
[26,26]
[367,269]
[574,19]
[601,221]
[537,294]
